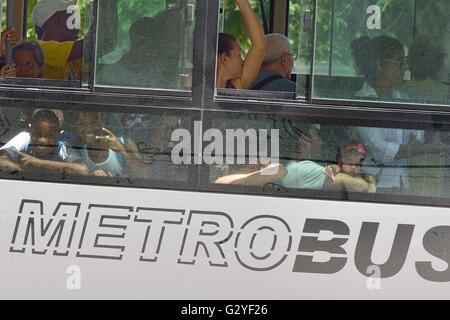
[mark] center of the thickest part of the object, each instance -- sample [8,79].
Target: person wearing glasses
[28,60]
[277,66]
[234,72]
[382,63]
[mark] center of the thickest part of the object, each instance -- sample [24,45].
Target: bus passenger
[382,62]
[58,38]
[348,175]
[233,71]
[41,149]
[277,67]
[152,60]
[28,59]
[426,60]
[303,171]
[104,153]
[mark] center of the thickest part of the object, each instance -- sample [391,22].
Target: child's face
[44,138]
[352,163]
[88,125]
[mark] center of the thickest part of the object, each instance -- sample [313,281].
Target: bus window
[102,148]
[50,37]
[288,154]
[252,55]
[153,48]
[393,51]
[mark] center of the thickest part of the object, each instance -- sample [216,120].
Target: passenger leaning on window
[233,71]
[104,153]
[41,149]
[303,171]
[62,49]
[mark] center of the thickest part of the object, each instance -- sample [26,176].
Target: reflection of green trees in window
[233,23]
[346,20]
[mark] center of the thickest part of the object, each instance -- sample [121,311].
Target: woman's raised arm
[255,56]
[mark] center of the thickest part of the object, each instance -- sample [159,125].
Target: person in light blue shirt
[303,172]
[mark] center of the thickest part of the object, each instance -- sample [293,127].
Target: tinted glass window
[145,44]
[324,159]
[47,39]
[392,51]
[130,149]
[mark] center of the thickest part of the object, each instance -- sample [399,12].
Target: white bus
[105,211]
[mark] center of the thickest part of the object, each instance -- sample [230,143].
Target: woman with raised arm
[233,71]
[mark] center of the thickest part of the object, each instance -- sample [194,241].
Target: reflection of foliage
[349,23]
[233,23]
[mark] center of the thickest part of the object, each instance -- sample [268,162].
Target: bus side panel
[69,241]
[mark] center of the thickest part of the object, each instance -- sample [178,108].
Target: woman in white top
[382,63]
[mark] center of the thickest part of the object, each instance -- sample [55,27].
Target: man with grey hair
[277,67]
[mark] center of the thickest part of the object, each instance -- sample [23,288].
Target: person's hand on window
[10,36]
[28,161]
[111,141]
[8,70]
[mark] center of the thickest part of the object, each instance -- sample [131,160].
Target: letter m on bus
[38,231]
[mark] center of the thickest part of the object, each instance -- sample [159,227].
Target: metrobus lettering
[262,243]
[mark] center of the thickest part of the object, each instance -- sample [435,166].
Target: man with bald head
[277,67]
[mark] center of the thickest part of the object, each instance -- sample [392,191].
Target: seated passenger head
[88,125]
[303,140]
[45,133]
[29,60]
[279,55]
[426,58]
[351,158]
[56,20]
[141,36]
[229,57]
[156,43]
[380,60]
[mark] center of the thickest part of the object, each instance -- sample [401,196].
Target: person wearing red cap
[57,24]
[348,175]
